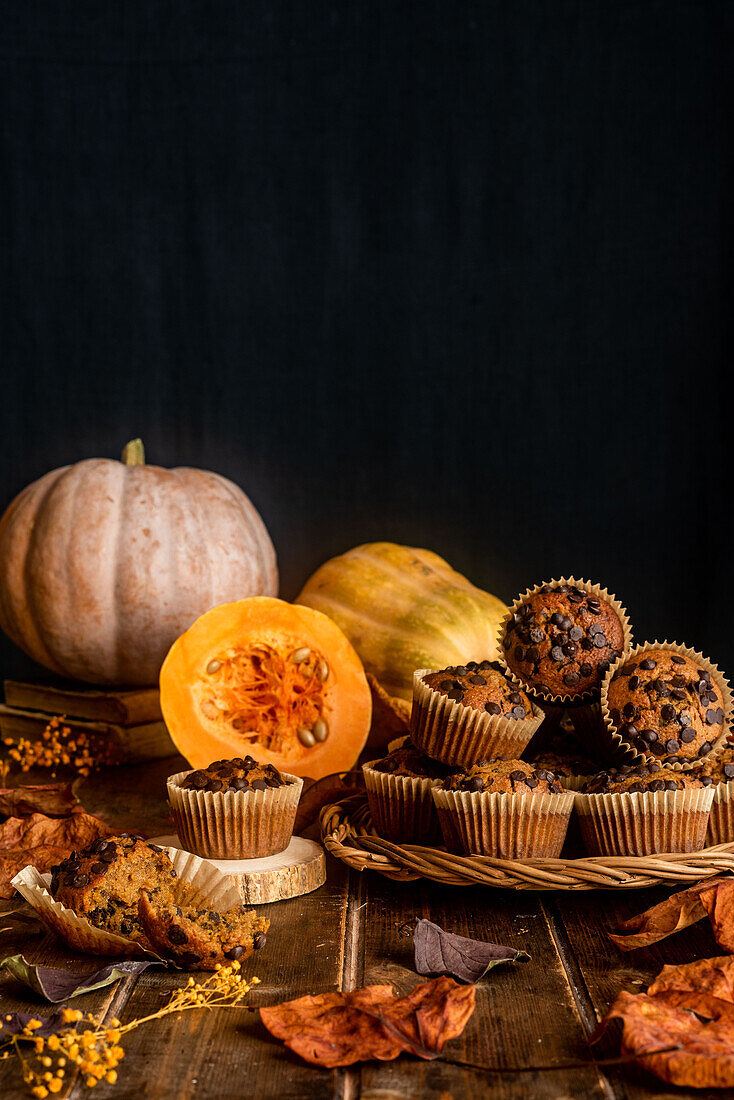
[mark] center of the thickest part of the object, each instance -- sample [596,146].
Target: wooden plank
[526,1013]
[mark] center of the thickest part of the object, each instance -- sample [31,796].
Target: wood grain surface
[532,1018]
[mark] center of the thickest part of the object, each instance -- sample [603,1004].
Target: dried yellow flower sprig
[57,747]
[94,1048]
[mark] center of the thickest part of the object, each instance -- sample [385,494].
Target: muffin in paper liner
[199,884]
[580,706]
[645,823]
[504,825]
[622,751]
[446,730]
[721,821]
[401,806]
[234,824]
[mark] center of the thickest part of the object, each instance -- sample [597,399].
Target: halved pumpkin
[269,678]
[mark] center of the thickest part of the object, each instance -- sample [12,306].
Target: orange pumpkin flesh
[258,676]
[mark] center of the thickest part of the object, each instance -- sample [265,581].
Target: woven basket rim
[348,835]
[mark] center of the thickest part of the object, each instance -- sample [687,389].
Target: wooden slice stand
[297,870]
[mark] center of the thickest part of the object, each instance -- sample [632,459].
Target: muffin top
[482,687]
[409,761]
[664,703]
[239,774]
[93,862]
[635,780]
[561,641]
[565,765]
[720,769]
[504,777]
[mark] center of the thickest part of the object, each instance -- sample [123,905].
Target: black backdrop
[454,274]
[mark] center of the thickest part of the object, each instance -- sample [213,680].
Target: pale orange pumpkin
[104,564]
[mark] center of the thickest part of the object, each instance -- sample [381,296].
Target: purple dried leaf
[467,960]
[59,985]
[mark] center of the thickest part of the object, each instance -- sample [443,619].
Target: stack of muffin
[635,739]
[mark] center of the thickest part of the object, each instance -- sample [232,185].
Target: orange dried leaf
[711,976]
[338,1029]
[719,904]
[322,792]
[54,799]
[703,1054]
[672,915]
[43,841]
[390,716]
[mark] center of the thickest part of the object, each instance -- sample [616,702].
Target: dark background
[453,274]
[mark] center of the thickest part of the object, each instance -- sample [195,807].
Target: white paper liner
[446,730]
[562,701]
[623,751]
[645,823]
[401,806]
[234,824]
[504,825]
[200,883]
[721,822]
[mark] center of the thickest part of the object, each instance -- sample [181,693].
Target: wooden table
[355,930]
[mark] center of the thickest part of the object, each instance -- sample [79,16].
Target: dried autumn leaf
[672,915]
[705,976]
[338,1029]
[14,1023]
[390,716]
[719,904]
[58,985]
[703,1050]
[467,960]
[43,841]
[53,799]
[322,792]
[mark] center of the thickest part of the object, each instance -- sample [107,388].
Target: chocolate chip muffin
[199,939]
[644,810]
[470,712]
[561,639]
[239,774]
[664,704]
[234,809]
[503,808]
[572,772]
[504,777]
[104,880]
[399,795]
[645,777]
[719,772]
[718,769]
[483,687]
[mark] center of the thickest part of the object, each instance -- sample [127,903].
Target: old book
[118,744]
[121,706]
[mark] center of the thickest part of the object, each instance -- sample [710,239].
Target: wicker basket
[348,834]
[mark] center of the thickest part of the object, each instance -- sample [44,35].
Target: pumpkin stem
[133,453]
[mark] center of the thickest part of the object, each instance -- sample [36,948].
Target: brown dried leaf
[672,915]
[703,1054]
[719,904]
[43,841]
[390,716]
[710,976]
[54,799]
[338,1029]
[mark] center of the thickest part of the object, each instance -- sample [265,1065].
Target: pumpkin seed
[306,737]
[213,666]
[320,729]
[323,671]
[301,654]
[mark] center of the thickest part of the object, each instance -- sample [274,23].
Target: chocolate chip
[575,633]
[81,880]
[259,940]
[537,635]
[531,782]
[728,770]
[493,708]
[671,785]
[177,935]
[518,712]
[238,783]
[687,734]
[189,959]
[98,868]
[556,653]
[446,685]
[629,710]
[667,713]
[519,653]
[672,746]
[214,785]
[600,640]
[456,694]
[109,854]
[571,678]
[533,654]
[234,952]
[259,785]
[650,736]
[657,785]
[557,618]
[634,682]
[677,660]
[517,776]
[476,783]
[635,788]
[570,649]
[461,670]
[628,730]
[477,679]
[712,717]
[648,664]
[472,666]
[705,748]
[684,718]
[678,682]
[586,669]
[678,694]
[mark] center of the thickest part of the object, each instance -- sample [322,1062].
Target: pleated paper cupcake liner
[401,806]
[454,734]
[234,824]
[507,826]
[199,884]
[623,751]
[558,703]
[721,822]
[646,823]
[572,782]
